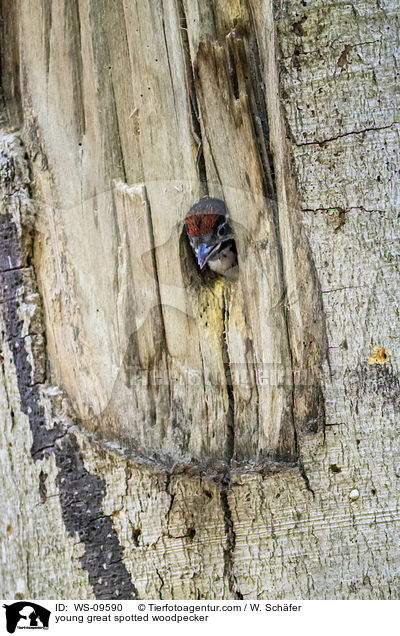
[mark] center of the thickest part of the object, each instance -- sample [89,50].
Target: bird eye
[222,230]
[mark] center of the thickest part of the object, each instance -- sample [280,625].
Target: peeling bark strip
[81,493]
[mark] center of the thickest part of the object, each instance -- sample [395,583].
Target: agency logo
[26,615]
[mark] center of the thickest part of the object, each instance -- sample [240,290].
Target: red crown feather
[203,215]
[198,224]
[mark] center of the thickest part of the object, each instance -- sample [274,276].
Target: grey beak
[204,253]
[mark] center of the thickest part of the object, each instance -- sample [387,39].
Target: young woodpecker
[211,236]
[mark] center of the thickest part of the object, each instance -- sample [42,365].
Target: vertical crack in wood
[76,55]
[203,377]
[230,546]
[230,414]
[246,54]
[158,292]
[232,70]
[162,584]
[10,84]
[192,96]
[230,535]
[118,131]
[287,330]
[47,18]
[171,76]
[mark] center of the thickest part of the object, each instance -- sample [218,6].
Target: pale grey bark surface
[143,452]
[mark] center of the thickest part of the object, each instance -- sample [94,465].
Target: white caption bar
[174,617]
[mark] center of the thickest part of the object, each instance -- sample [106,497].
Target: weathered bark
[170,435]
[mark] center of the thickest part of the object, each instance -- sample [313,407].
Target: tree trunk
[171,434]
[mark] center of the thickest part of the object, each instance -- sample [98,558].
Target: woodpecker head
[210,235]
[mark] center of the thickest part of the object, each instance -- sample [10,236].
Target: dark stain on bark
[375,380]
[344,56]
[298,28]
[42,486]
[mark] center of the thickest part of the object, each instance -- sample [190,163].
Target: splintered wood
[157,104]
